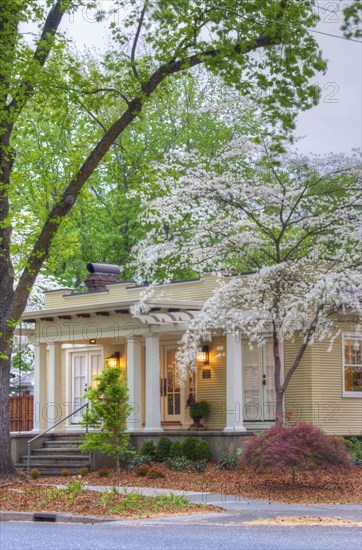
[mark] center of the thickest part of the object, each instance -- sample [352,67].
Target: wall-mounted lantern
[204,355]
[114,359]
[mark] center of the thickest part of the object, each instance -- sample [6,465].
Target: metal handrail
[51,428]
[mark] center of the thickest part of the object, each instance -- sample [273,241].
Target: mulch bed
[310,488]
[32,496]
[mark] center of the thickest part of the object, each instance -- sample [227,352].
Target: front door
[170,387]
[258,382]
[85,365]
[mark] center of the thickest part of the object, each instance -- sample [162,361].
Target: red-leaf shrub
[301,446]
[142,470]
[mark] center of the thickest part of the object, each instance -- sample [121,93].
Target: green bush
[199,466]
[83,471]
[138,460]
[155,473]
[149,448]
[175,449]
[126,456]
[179,464]
[189,448]
[203,450]
[163,448]
[227,461]
[354,446]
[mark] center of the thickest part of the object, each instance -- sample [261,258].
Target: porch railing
[86,405]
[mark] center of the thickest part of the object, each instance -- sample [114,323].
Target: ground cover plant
[74,499]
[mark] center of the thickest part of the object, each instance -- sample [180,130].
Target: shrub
[189,448]
[83,471]
[103,472]
[142,470]
[354,446]
[138,460]
[179,464]
[301,446]
[163,448]
[199,466]
[21,473]
[175,449]
[203,451]
[148,448]
[34,473]
[126,456]
[155,473]
[64,472]
[227,461]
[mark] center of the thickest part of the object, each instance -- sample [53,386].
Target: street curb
[52,517]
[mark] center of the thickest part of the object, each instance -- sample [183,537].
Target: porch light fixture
[204,355]
[92,341]
[113,360]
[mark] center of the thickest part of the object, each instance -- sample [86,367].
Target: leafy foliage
[189,448]
[163,448]
[227,461]
[142,470]
[199,465]
[149,448]
[175,449]
[107,413]
[203,450]
[140,460]
[354,446]
[180,464]
[301,446]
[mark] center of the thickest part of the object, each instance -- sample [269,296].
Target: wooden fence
[21,413]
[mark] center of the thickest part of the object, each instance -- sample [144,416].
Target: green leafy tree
[107,413]
[178,35]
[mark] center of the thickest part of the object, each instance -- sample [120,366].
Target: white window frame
[349,336]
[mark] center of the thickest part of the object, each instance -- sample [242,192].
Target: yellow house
[76,332]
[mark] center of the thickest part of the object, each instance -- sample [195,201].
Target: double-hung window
[352,365]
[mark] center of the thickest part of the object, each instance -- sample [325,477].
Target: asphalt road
[171,535]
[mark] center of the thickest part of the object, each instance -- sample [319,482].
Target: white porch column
[54,410]
[134,381]
[234,385]
[40,388]
[153,400]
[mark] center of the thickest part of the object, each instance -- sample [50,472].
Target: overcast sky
[335,124]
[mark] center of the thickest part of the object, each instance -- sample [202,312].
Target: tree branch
[138,32]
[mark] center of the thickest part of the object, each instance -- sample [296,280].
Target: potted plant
[198,410]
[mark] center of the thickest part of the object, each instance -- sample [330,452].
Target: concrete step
[55,460]
[50,451]
[62,443]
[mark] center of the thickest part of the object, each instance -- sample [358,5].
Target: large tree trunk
[279,406]
[6,464]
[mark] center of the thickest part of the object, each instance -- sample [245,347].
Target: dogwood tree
[285,229]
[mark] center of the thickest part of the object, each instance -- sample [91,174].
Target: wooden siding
[316,389]
[298,396]
[183,291]
[213,389]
